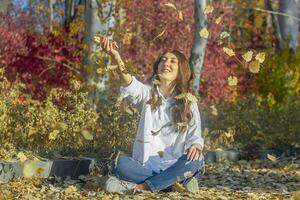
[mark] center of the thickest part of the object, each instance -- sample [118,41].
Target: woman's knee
[121,164]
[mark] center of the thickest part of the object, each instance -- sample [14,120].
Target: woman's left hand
[193,153]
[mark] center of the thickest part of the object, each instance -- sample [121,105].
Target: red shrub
[40,59]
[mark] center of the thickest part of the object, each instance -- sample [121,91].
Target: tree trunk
[199,44]
[98,19]
[69,10]
[289,27]
[275,25]
[51,13]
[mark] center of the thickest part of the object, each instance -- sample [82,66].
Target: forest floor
[257,179]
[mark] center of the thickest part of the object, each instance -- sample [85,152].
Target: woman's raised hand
[108,46]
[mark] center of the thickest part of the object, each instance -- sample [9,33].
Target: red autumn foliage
[39,58]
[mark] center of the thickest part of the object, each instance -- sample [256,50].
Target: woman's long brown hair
[183,84]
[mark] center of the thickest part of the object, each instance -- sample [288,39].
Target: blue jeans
[131,170]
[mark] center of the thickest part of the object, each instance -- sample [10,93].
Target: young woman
[168,144]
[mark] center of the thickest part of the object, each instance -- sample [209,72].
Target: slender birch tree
[289,23]
[199,43]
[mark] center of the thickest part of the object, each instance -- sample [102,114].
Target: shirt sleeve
[194,135]
[136,91]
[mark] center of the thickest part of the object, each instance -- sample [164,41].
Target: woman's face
[168,67]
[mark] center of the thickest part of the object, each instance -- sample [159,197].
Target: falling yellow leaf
[232,81]
[160,34]
[271,157]
[126,38]
[180,96]
[161,154]
[171,5]
[254,66]
[218,20]
[214,110]
[97,39]
[190,97]
[87,135]
[187,96]
[224,34]
[260,57]
[53,135]
[180,15]
[22,156]
[111,67]
[208,9]
[204,33]
[59,12]
[248,56]
[188,174]
[100,71]
[155,82]
[228,51]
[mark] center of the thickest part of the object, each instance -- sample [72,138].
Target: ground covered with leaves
[258,179]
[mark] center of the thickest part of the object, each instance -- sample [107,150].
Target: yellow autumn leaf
[204,33]
[171,5]
[181,124]
[87,135]
[248,56]
[188,174]
[111,67]
[97,39]
[260,57]
[161,154]
[62,126]
[214,110]
[156,82]
[224,34]
[160,34]
[232,81]
[180,96]
[190,97]
[126,38]
[187,96]
[254,66]
[271,157]
[229,51]
[22,156]
[218,20]
[100,71]
[59,12]
[53,135]
[180,15]
[208,9]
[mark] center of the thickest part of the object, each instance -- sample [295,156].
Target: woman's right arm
[136,90]
[108,47]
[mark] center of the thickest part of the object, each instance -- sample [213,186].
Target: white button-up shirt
[158,144]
